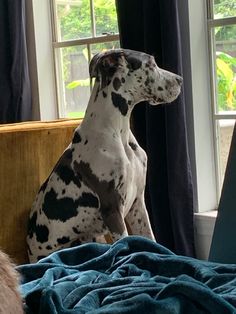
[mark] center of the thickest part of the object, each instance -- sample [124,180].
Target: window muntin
[81,28]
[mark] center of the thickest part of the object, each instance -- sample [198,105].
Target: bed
[134,275]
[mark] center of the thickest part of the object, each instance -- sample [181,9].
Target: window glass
[73,19]
[74,80]
[225,62]
[224,8]
[75,85]
[105,17]
[85,21]
[222,28]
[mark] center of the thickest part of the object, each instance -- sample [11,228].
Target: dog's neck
[109,110]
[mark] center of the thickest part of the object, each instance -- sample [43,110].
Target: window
[81,28]
[222,42]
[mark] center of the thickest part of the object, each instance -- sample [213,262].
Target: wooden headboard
[28,152]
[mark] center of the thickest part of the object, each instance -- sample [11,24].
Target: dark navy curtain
[15,94]
[152,26]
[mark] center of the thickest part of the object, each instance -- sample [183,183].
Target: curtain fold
[15,91]
[152,26]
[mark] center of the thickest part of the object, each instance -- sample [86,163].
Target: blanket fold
[134,275]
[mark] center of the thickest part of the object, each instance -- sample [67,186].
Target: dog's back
[10,300]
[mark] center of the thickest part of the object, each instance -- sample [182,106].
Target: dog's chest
[110,163]
[136,173]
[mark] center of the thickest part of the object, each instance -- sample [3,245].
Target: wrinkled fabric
[134,275]
[15,89]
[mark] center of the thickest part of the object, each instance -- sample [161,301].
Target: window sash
[212,23]
[90,40]
[221,22]
[57,43]
[85,41]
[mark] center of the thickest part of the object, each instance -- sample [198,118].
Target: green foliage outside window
[224,8]
[226,77]
[225,38]
[74,22]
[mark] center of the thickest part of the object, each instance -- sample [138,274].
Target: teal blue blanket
[134,275]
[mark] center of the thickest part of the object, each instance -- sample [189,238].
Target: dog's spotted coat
[98,184]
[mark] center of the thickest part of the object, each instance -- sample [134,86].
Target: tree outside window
[82,28]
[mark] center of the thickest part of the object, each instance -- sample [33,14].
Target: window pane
[225,130]
[73,80]
[224,8]
[105,16]
[73,19]
[225,49]
[95,48]
[73,77]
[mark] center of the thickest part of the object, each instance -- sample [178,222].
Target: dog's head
[137,73]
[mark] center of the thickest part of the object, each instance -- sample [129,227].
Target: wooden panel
[28,152]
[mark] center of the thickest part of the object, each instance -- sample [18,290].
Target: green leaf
[74,84]
[226,57]
[76,114]
[224,70]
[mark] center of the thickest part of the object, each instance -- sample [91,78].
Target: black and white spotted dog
[98,184]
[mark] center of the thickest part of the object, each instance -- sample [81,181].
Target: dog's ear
[104,65]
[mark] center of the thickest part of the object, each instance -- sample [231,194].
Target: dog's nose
[179,80]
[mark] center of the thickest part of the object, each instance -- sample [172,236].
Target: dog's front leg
[138,221]
[115,223]
[111,202]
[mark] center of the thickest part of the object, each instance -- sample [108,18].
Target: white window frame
[196,74]
[42,42]
[195,59]
[216,116]
[58,43]
[41,62]
[198,63]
